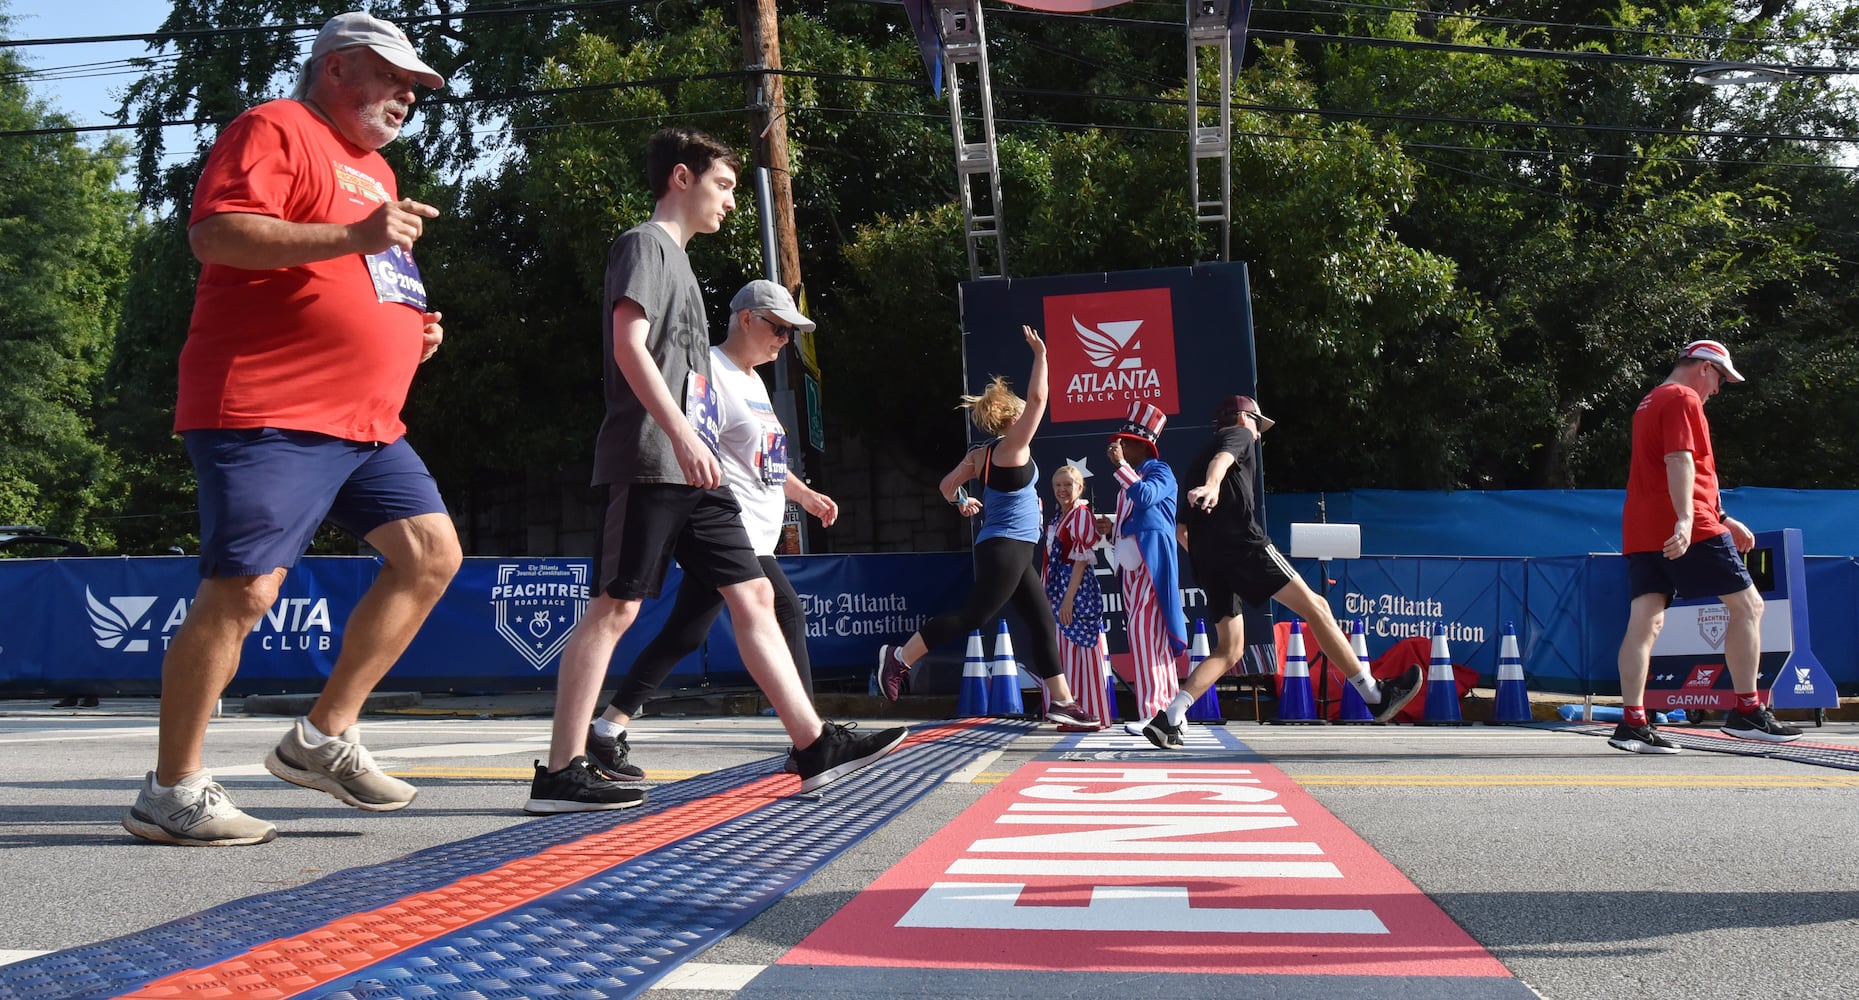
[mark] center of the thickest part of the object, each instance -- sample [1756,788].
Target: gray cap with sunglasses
[762,295]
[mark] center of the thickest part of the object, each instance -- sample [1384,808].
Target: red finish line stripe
[292,965]
[1129,866]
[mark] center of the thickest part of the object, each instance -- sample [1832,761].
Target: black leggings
[1004,573]
[693,611]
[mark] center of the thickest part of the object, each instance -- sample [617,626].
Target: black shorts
[647,524]
[1229,573]
[1710,568]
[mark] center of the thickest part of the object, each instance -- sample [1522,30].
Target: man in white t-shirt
[752,447]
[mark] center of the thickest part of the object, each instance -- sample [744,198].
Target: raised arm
[1015,447]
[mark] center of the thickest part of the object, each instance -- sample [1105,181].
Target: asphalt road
[1591,874]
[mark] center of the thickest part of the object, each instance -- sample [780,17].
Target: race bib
[771,459]
[704,411]
[397,278]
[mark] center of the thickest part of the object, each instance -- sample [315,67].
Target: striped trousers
[1087,673]
[1152,659]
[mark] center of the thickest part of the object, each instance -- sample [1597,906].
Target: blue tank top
[1011,513]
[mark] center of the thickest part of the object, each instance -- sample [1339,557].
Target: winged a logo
[1113,345]
[114,620]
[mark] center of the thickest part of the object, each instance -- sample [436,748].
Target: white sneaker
[1134,728]
[196,812]
[342,767]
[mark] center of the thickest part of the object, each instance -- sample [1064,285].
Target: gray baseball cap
[345,31]
[766,296]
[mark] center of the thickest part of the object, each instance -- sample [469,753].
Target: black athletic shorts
[648,524]
[1229,573]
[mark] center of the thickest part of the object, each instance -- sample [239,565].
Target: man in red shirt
[1678,541]
[309,321]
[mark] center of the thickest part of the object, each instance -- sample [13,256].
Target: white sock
[1366,684]
[1178,709]
[607,729]
[313,736]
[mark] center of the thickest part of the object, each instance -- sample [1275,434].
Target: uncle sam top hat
[1144,424]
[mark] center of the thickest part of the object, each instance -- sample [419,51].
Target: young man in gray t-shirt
[665,494]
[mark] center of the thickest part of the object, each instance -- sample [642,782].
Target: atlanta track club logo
[1109,349]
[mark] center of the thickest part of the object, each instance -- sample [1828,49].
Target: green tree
[64,236]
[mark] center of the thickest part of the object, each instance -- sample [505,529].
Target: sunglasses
[780,329]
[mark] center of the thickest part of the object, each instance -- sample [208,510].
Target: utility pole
[796,390]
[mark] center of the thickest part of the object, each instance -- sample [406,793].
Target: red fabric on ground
[1394,662]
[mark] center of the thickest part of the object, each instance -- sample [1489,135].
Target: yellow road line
[1582,780]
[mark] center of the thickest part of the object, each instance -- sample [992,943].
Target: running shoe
[612,757]
[1640,739]
[1396,692]
[891,672]
[342,767]
[839,752]
[1070,714]
[1163,735]
[577,788]
[196,812]
[1759,725]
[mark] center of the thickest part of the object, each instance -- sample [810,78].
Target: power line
[163,37]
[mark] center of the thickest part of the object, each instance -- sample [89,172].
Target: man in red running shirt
[1678,540]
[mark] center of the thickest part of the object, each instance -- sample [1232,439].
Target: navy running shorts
[1709,568]
[264,492]
[648,524]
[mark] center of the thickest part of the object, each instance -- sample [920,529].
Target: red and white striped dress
[1072,538]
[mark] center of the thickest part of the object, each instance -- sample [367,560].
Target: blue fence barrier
[102,624]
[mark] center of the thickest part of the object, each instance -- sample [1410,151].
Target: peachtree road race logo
[537,605]
[1109,349]
[1713,622]
[139,623]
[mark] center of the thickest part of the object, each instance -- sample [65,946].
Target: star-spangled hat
[1144,424]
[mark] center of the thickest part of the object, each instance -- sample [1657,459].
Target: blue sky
[86,95]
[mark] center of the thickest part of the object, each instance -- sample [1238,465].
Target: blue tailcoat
[1150,523]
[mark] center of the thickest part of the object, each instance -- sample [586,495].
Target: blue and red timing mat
[1109,865]
[586,905]
[1803,751]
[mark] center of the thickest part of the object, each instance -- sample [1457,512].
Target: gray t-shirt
[649,267]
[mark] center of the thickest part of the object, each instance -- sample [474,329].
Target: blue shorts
[1709,568]
[264,492]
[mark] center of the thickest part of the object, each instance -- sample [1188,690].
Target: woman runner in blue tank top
[1007,549]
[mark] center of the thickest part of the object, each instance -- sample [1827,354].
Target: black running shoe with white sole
[1163,735]
[1396,692]
[1640,739]
[577,788]
[612,757]
[1759,725]
[839,751]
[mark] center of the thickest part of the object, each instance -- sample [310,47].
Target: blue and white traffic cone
[1352,710]
[1110,681]
[1004,678]
[1296,705]
[1442,688]
[1206,708]
[1512,703]
[973,700]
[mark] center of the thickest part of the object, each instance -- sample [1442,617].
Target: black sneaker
[577,788]
[1163,735]
[611,758]
[1759,725]
[1398,691]
[891,672]
[788,763]
[838,752]
[1640,739]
